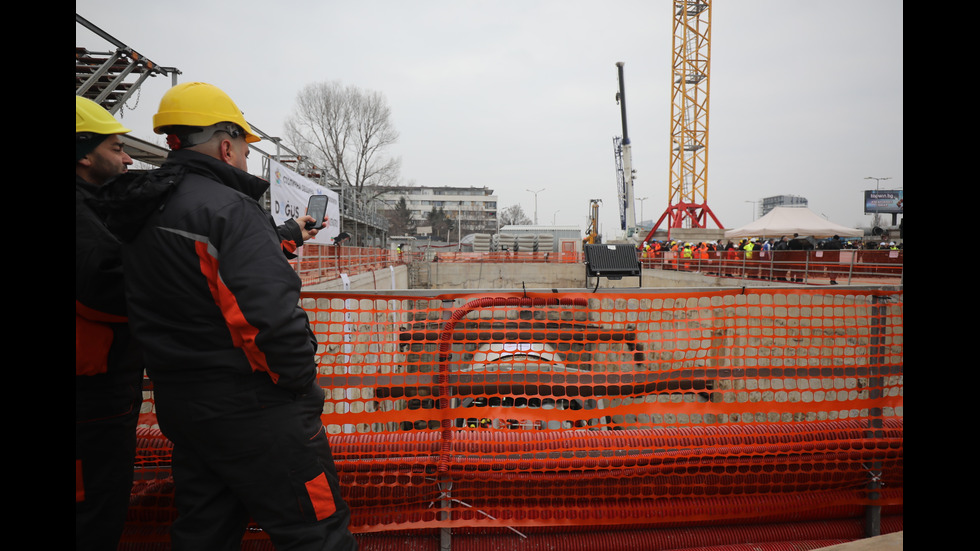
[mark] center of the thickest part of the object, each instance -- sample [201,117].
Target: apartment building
[474,207]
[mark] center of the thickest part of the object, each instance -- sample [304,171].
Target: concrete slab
[887,542]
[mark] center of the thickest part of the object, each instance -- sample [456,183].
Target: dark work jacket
[103,345]
[211,294]
[833,244]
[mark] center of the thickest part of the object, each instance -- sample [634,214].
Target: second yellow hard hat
[92,117]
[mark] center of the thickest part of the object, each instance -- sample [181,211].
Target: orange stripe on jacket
[79,482]
[95,315]
[243,334]
[321,496]
[93,339]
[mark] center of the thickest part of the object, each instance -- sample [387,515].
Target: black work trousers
[246,449]
[107,410]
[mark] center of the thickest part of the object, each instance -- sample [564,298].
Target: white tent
[786,221]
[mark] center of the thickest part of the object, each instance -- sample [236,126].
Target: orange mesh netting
[626,409]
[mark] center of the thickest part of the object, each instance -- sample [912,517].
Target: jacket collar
[205,165]
[80,183]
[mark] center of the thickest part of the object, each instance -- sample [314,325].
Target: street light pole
[535,204]
[641,199]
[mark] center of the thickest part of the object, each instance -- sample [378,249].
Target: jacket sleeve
[100,303]
[98,265]
[290,238]
[258,293]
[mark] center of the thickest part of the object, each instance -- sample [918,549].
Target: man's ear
[224,150]
[84,161]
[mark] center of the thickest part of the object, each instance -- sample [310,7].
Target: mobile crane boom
[623,151]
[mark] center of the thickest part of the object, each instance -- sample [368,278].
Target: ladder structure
[111,78]
[104,77]
[688,191]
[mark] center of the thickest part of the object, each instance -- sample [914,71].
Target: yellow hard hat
[92,117]
[199,104]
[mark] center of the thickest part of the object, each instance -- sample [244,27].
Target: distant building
[475,208]
[769,203]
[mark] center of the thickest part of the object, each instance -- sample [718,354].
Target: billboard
[290,192]
[883,201]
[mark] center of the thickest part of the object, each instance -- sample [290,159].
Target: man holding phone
[214,303]
[294,232]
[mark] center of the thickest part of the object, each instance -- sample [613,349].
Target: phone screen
[317,208]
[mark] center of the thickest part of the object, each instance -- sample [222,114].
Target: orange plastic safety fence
[630,408]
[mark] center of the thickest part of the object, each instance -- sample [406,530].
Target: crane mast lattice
[688,190]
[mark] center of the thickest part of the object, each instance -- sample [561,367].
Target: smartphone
[317,208]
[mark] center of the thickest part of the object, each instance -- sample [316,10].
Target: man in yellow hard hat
[100,154]
[108,366]
[215,305]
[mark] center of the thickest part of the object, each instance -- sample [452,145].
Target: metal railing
[849,266]
[519,257]
[320,263]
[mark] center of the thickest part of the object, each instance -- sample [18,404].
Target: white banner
[290,193]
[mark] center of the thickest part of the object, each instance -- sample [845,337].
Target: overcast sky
[806,97]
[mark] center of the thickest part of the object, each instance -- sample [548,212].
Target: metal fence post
[875,423]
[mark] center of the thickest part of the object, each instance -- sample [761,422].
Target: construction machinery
[592,232]
[625,173]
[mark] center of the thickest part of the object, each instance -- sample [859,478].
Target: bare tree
[514,215]
[346,131]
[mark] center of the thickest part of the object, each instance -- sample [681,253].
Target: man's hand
[307,233]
